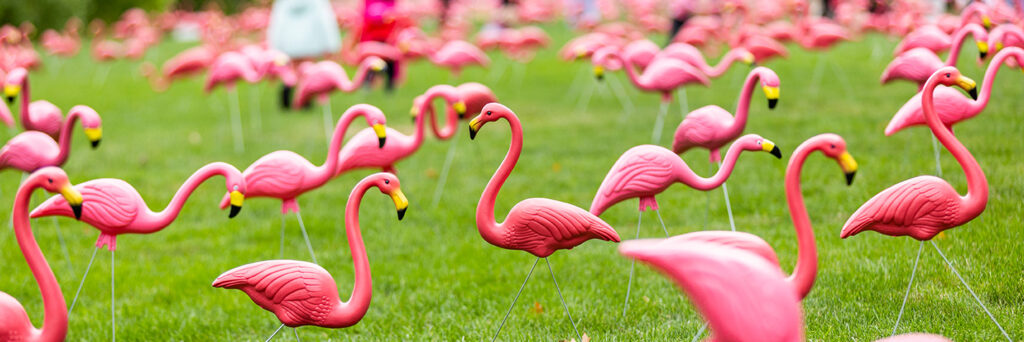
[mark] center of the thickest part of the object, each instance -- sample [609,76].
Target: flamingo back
[541,226]
[920,207]
[109,204]
[642,171]
[705,127]
[297,292]
[280,174]
[744,241]
[915,65]
[950,104]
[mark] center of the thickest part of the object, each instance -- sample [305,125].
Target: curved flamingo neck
[350,312]
[26,97]
[723,64]
[350,85]
[743,106]
[64,140]
[427,108]
[958,43]
[977,186]
[325,171]
[490,229]
[806,269]
[690,178]
[990,78]
[157,221]
[55,316]
[633,77]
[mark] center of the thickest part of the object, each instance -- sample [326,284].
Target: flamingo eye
[488,112]
[50,180]
[948,75]
[833,146]
[235,188]
[387,181]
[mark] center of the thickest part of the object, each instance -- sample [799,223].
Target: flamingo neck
[349,313]
[977,186]
[490,229]
[350,85]
[690,178]
[743,106]
[451,119]
[633,77]
[723,64]
[986,83]
[55,316]
[958,43]
[325,171]
[159,220]
[26,98]
[64,140]
[806,269]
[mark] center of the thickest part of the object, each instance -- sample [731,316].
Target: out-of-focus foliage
[45,14]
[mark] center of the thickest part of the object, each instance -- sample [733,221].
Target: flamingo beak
[998,46]
[378,66]
[748,59]
[11,91]
[74,199]
[968,85]
[772,94]
[599,72]
[986,22]
[460,108]
[982,49]
[381,134]
[236,203]
[770,147]
[849,166]
[401,203]
[94,135]
[474,126]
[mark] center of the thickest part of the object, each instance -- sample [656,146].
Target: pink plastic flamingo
[301,293]
[286,175]
[690,54]
[924,206]
[28,151]
[711,127]
[538,226]
[14,322]
[40,115]
[458,54]
[917,64]
[663,75]
[115,208]
[930,37]
[226,70]
[473,96]
[321,79]
[363,151]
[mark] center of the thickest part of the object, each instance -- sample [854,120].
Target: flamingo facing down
[14,322]
[286,175]
[917,64]
[301,293]
[320,79]
[226,70]
[458,54]
[690,54]
[538,226]
[924,206]
[38,115]
[31,150]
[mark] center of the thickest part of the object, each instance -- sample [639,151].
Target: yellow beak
[969,85]
[998,46]
[599,72]
[748,59]
[94,135]
[849,166]
[381,134]
[460,108]
[236,203]
[401,203]
[378,66]
[986,22]
[769,146]
[12,90]
[772,94]
[474,126]
[74,199]
[983,49]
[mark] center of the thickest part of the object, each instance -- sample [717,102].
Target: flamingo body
[31,150]
[229,68]
[458,54]
[914,65]
[322,78]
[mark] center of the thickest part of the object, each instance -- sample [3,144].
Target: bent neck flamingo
[115,208]
[690,54]
[538,226]
[15,324]
[362,151]
[473,97]
[40,115]
[286,175]
[315,301]
[712,127]
[227,70]
[924,206]
[917,64]
[319,80]
[28,151]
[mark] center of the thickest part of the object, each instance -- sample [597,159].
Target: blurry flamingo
[192,61]
[601,61]
[364,151]
[473,96]
[690,54]
[227,69]
[301,293]
[286,175]
[15,325]
[39,115]
[647,170]
[917,64]
[711,127]
[115,208]
[663,75]
[1004,36]
[31,150]
[764,48]
[951,106]
[538,226]
[930,37]
[924,206]
[319,80]
[64,44]
[459,54]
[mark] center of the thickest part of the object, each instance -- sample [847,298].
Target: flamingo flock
[734,278]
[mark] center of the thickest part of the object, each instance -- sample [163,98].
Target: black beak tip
[599,77]
[974,93]
[10,99]
[772,103]
[380,142]
[983,55]
[77,209]
[95,144]
[472,134]
[849,177]
[462,116]
[401,213]
[776,152]
[234,211]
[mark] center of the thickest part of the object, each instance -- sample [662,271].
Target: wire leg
[907,294]
[274,334]
[63,245]
[684,102]
[257,115]
[514,300]
[962,281]
[663,228]
[236,121]
[707,197]
[620,94]
[113,316]
[79,291]
[938,161]
[632,264]
[296,331]
[728,206]
[700,332]
[443,178]
[659,123]
[587,92]
[282,236]
[328,120]
[306,236]
[566,306]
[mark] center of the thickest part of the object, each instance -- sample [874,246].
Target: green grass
[436,279]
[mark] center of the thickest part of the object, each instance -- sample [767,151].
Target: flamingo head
[91,123]
[754,142]
[950,76]
[833,146]
[475,96]
[770,85]
[55,180]
[491,112]
[13,83]
[982,49]
[746,57]
[389,185]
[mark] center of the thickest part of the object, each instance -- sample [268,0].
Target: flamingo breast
[704,127]
[280,174]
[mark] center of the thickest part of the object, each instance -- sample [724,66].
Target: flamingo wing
[950,104]
[644,170]
[920,207]
[279,173]
[541,224]
[298,292]
[29,151]
[743,297]
[107,204]
[701,127]
[915,65]
[739,240]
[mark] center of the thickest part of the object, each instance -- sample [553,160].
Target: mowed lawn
[435,278]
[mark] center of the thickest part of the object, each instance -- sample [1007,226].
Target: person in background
[380,24]
[302,29]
